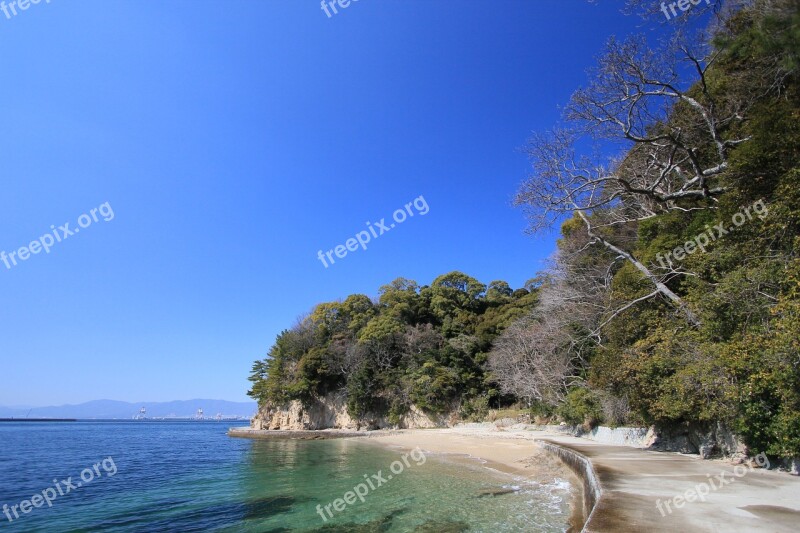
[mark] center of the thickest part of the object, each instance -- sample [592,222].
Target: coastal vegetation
[674,295]
[422,345]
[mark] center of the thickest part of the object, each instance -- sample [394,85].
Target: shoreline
[297,434]
[509,456]
[624,488]
[582,467]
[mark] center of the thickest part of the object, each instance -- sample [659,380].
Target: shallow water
[189,476]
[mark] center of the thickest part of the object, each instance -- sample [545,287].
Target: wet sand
[519,457]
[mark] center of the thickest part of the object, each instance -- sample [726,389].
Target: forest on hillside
[422,345]
[674,295]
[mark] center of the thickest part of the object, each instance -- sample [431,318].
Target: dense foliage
[420,345]
[710,334]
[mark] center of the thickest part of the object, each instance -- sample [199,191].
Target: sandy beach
[640,489]
[515,456]
[510,455]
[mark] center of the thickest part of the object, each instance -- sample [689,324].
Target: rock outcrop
[330,412]
[707,440]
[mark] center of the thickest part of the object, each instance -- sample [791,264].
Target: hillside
[674,296]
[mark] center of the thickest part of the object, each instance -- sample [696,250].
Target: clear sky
[233,140]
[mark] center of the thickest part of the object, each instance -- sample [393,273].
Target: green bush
[417,344]
[581,406]
[361,393]
[540,409]
[475,409]
[434,387]
[397,410]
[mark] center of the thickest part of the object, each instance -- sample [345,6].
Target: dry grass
[498,414]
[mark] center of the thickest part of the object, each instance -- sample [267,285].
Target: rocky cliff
[330,412]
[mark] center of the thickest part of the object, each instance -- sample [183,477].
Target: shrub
[475,409]
[541,410]
[581,406]
[434,387]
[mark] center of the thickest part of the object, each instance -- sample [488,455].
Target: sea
[184,476]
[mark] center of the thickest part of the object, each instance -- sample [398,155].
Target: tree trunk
[663,289]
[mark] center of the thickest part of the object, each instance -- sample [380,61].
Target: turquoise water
[189,476]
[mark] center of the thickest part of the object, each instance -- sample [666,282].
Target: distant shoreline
[204,420]
[38,419]
[304,434]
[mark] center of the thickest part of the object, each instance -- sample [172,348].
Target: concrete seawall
[583,468]
[628,489]
[652,491]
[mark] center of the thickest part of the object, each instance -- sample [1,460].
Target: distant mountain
[124,410]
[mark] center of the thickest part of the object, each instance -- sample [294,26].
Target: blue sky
[233,140]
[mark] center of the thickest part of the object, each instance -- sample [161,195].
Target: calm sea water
[190,476]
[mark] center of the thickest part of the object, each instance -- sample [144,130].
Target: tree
[425,344]
[498,292]
[258,375]
[455,300]
[542,354]
[680,133]
[532,361]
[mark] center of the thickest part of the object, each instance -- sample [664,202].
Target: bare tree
[539,356]
[674,161]
[676,125]
[648,9]
[678,133]
[344,355]
[531,361]
[419,339]
[384,352]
